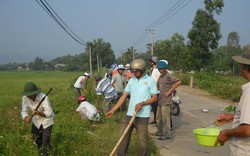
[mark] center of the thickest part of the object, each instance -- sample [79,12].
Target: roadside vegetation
[70,135]
[226,87]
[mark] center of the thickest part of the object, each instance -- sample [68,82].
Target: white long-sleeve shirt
[45,107]
[88,111]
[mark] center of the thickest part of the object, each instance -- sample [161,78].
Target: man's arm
[139,106]
[174,86]
[118,105]
[242,131]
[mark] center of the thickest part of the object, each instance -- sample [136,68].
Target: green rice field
[71,135]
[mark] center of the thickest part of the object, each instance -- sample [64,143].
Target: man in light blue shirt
[143,92]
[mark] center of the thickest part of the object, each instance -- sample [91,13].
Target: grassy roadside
[71,135]
[226,87]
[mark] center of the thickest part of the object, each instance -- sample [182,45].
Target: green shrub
[227,87]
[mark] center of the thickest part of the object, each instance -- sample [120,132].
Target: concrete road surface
[192,117]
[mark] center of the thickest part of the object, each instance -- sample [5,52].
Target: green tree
[37,64]
[222,59]
[204,35]
[162,49]
[174,51]
[233,39]
[127,56]
[104,52]
[178,54]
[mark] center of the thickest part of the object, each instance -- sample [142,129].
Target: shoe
[153,122]
[157,134]
[164,138]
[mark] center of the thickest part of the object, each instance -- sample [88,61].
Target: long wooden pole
[124,133]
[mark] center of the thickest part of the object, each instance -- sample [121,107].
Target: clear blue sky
[27,31]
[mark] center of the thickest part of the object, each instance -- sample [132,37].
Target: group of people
[144,91]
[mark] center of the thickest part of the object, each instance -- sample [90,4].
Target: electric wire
[168,17]
[143,35]
[63,22]
[48,9]
[165,14]
[177,7]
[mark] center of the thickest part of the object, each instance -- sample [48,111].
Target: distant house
[60,66]
[22,68]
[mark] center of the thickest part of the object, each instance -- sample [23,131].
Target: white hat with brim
[87,74]
[245,57]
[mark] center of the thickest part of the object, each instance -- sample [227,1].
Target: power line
[48,9]
[167,15]
[143,35]
[173,13]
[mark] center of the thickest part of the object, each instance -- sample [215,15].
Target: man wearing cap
[239,135]
[43,118]
[118,81]
[80,84]
[167,83]
[87,110]
[103,86]
[128,74]
[143,92]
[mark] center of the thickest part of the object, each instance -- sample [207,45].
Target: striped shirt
[105,87]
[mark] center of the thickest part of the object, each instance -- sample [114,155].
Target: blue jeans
[141,126]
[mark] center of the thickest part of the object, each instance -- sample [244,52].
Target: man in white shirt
[118,81]
[43,117]
[155,74]
[239,135]
[87,110]
[80,84]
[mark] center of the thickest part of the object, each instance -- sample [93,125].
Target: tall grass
[70,135]
[227,87]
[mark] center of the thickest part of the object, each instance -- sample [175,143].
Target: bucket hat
[97,76]
[245,57]
[30,88]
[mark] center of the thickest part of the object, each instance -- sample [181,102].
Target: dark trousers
[42,138]
[77,92]
[141,126]
[154,109]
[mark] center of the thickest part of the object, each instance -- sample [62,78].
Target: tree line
[200,52]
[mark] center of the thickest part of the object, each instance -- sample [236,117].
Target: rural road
[192,117]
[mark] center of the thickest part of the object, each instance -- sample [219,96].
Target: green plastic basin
[207,136]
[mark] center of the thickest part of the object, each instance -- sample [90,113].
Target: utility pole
[97,60]
[124,58]
[152,40]
[133,53]
[90,61]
